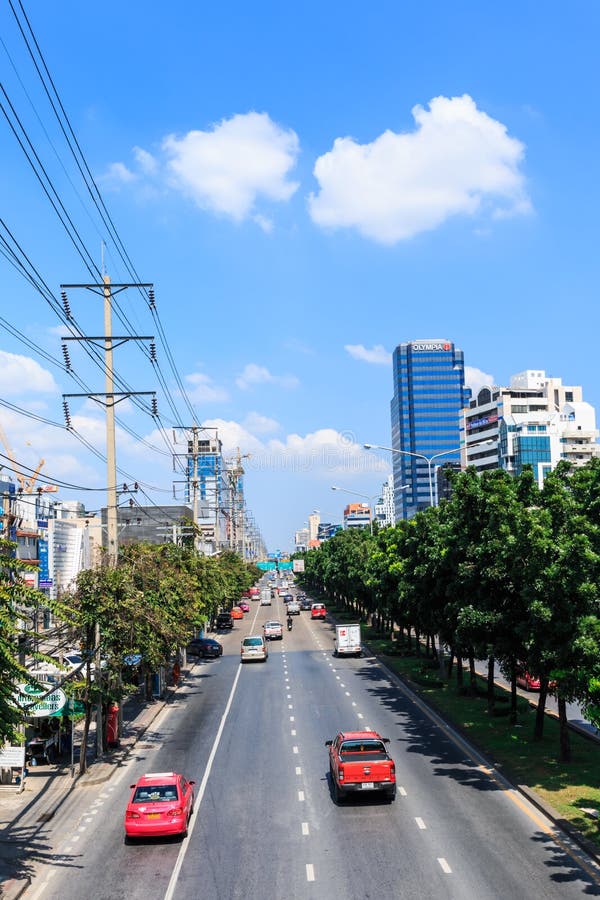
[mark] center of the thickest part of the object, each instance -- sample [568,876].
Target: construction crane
[26,483]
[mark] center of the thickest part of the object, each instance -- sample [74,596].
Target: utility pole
[111,398]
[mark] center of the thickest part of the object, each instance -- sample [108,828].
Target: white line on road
[305,828]
[294,749]
[310,872]
[301,796]
[298,770]
[360,715]
[292,718]
[181,855]
[445,867]
[290,706]
[293,732]
[353,703]
[420,823]
[338,677]
[289,696]
[342,685]
[402,791]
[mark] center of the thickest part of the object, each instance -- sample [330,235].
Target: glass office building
[429,393]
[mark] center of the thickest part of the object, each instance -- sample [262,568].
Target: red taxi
[161,804]
[237,613]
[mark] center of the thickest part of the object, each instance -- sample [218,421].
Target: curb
[587,846]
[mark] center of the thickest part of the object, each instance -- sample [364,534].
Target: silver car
[254,648]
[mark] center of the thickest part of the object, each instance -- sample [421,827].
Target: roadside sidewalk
[23,815]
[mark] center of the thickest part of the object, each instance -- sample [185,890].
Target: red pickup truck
[359,762]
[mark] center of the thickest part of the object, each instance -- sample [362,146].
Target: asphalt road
[265,823]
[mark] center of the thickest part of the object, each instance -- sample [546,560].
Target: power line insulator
[153,351]
[154,406]
[67,413]
[66,304]
[151,298]
[67,358]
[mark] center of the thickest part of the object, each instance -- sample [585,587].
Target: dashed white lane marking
[310,872]
[75,838]
[401,791]
[338,677]
[301,796]
[93,812]
[294,749]
[331,664]
[82,828]
[293,732]
[289,696]
[305,828]
[292,718]
[445,867]
[360,715]
[290,706]
[298,770]
[88,820]
[68,849]
[347,693]
[342,685]
[353,703]
[420,823]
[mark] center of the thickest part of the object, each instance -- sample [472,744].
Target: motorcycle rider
[290,622]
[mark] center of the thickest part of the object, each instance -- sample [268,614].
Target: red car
[244,606]
[161,804]
[237,613]
[318,611]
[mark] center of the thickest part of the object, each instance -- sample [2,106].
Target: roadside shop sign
[12,756]
[51,703]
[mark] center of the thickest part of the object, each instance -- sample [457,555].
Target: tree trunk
[491,694]
[565,739]
[434,651]
[450,664]
[418,641]
[472,673]
[540,716]
[459,672]
[84,739]
[513,694]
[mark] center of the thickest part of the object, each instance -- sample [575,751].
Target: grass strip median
[567,787]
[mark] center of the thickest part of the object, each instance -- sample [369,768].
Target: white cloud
[258,424]
[228,168]
[147,163]
[254,374]
[324,453]
[22,375]
[457,161]
[117,175]
[204,390]
[377,354]
[476,379]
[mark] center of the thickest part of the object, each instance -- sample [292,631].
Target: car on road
[273,631]
[254,649]
[224,620]
[305,604]
[160,804]
[265,600]
[293,608]
[318,611]
[359,763]
[287,597]
[237,612]
[206,648]
[244,606]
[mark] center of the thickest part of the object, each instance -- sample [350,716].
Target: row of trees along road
[502,571]
[147,607]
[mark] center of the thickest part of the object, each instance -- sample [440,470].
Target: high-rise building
[313,525]
[536,421]
[384,508]
[429,394]
[357,515]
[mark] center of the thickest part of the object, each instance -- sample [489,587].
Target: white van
[254,648]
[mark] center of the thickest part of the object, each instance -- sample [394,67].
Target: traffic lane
[242,843]
[92,841]
[460,807]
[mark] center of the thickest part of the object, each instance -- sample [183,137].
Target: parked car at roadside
[206,648]
[224,620]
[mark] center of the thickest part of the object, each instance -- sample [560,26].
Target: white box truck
[347,640]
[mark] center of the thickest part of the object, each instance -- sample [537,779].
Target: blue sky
[307,186]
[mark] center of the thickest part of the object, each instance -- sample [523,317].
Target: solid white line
[445,867]
[305,828]
[420,823]
[181,855]
[310,872]
[301,796]
[401,791]
[298,770]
